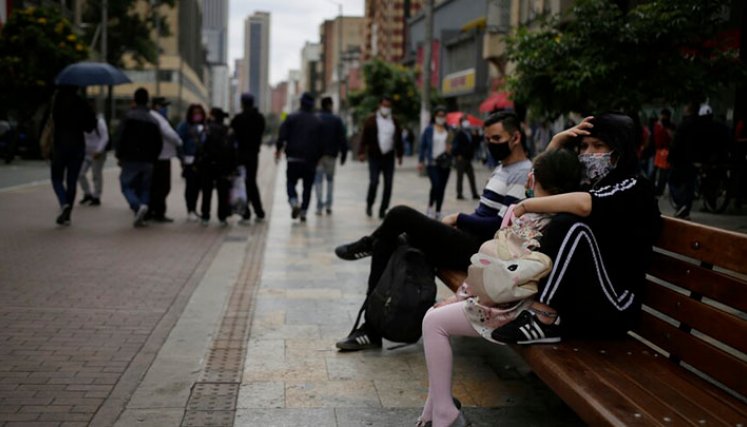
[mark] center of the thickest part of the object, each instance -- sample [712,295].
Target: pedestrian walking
[381,142]
[248,128]
[96,142]
[332,133]
[435,157]
[161,183]
[71,117]
[662,136]
[463,150]
[138,144]
[192,133]
[216,163]
[299,137]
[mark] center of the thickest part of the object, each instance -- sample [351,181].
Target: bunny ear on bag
[496,280]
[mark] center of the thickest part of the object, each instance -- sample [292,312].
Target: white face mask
[385,111]
[440,121]
[465,124]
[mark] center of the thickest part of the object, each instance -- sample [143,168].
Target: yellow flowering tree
[35,44]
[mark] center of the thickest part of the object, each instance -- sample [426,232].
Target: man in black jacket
[216,161]
[248,128]
[299,137]
[138,143]
[334,143]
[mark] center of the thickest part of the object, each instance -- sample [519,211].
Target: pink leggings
[438,325]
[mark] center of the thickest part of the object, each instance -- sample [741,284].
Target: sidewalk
[308,299]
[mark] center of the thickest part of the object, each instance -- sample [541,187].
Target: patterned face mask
[595,167]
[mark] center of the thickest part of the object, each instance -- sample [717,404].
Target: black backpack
[405,291]
[217,153]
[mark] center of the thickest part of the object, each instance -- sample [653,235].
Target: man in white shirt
[96,142]
[161,183]
[381,141]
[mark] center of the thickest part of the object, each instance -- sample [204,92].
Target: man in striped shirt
[449,243]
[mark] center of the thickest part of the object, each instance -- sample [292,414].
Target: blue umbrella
[91,74]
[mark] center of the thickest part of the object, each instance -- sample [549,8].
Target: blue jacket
[426,145]
[191,137]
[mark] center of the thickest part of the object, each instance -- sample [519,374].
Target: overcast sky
[292,23]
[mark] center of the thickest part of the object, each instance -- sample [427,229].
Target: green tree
[384,78]
[35,45]
[128,31]
[603,58]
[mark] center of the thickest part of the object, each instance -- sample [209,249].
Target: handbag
[444,161]
[46,139]
[505,270]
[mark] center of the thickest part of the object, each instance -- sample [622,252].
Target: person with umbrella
[72,117]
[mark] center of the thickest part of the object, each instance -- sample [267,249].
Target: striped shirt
[505,187]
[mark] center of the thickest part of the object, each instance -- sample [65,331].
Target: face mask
[440,121]
[197,118]
[595,167]
[385,111]
[499,151]
[465,124]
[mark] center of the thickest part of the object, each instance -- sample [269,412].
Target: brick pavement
[84,309]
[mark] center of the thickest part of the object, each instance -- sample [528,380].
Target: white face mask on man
[440,121]
[465,124]
[385,111]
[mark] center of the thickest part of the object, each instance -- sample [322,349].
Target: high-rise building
[386,22]
[215,38]
[179,75]
[337,37]
[311,80]
[257,59]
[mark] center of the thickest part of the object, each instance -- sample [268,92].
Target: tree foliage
[384,78]
[601,58]
[128,31]
[35,45]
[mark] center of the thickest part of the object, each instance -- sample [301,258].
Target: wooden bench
[686,363]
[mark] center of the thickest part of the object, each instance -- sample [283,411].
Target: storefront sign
[458,83]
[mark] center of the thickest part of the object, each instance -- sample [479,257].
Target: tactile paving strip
[212,401]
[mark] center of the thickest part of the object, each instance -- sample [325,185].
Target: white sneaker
[430,213]
[192,217]
[224,224]
[438,216]
[140,216]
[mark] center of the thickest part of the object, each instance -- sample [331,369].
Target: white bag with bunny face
[505,270]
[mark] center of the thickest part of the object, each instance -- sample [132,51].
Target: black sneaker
[359,249]
[95,201]
[359,339]
[295,211]
[369,211]
[527,329]
[86,199]
[64,217]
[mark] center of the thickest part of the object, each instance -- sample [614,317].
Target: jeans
[682,186]
[383,165]
[223,185]
[306,172]
[192,186]
[439,177]
[444,246]
[160,188]
[252,191]
[325,171]
[464,166]
[65,170]
[135,180]
[96,165]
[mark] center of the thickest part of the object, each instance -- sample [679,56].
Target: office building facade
[257,59]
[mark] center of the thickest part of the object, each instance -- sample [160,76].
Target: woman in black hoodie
[600,258]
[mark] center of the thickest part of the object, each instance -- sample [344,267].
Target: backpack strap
[360,313]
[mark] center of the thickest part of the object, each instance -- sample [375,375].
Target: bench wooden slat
[719,287]
[644,381]
[724,327]
[581,388]
[723,367]
[715,246]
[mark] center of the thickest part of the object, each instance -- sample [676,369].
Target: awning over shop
[496,101]
[453,118]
